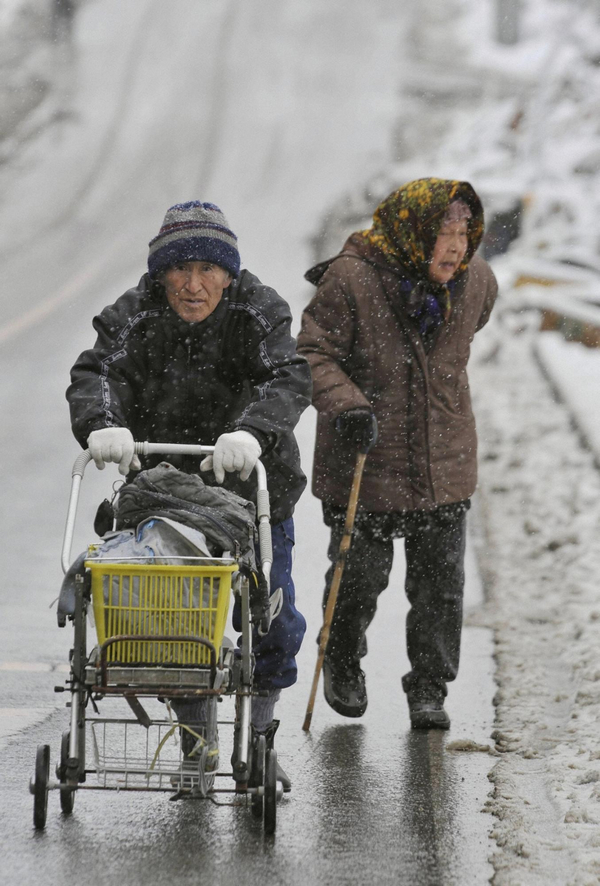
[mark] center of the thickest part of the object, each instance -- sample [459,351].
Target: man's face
[195,288]
[449,250]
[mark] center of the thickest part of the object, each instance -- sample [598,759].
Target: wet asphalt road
[365,807]
[372,802]
[352,819]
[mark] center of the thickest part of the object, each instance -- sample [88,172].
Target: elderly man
[201,352]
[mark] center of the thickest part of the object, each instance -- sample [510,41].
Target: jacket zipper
[189,386]
[422,360]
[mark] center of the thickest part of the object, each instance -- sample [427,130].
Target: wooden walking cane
[335,584]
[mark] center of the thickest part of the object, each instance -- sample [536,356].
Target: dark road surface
[366,807]
[372,800]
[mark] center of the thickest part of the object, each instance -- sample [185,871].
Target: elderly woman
[387,336]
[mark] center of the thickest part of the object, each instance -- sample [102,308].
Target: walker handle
[263,513]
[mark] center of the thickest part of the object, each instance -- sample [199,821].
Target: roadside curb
[563,392]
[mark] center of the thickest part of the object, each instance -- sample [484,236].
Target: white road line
[13,721]
[38,667]
[47,306]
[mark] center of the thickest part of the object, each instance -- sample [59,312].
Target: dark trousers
[275,653]
[435,552]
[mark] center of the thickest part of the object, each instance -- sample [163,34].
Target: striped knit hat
[194,231]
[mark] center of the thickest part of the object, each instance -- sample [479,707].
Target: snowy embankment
[540,504]
[574,372]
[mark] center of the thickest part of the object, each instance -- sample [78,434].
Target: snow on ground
[521,123]
[574,372]
[540,504]
[532,130]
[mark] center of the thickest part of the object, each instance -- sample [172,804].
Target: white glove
[238,451]
[113,444]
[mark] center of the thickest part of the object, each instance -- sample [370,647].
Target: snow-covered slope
[521,122]
[540,497]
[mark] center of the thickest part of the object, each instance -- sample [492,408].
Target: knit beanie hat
[194,231]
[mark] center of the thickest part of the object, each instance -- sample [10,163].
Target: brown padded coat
[364,350]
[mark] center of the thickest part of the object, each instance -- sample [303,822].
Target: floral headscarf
[405,227]
[406,224]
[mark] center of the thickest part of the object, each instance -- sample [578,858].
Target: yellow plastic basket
[173,601]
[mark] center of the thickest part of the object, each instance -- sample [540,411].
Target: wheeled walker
[160,631]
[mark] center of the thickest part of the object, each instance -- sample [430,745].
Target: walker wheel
[258,775]
[67,798]
[40,786]
[270,798]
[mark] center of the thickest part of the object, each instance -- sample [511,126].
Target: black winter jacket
[169,381]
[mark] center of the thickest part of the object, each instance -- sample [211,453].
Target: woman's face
[449,251]
[195,288]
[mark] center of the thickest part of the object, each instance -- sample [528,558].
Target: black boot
[344,687]
[426,706]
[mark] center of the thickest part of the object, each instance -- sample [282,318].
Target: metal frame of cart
[160,636]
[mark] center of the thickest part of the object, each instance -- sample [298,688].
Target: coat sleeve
[326,340]
[278,376]
[491,294]
[103,378]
